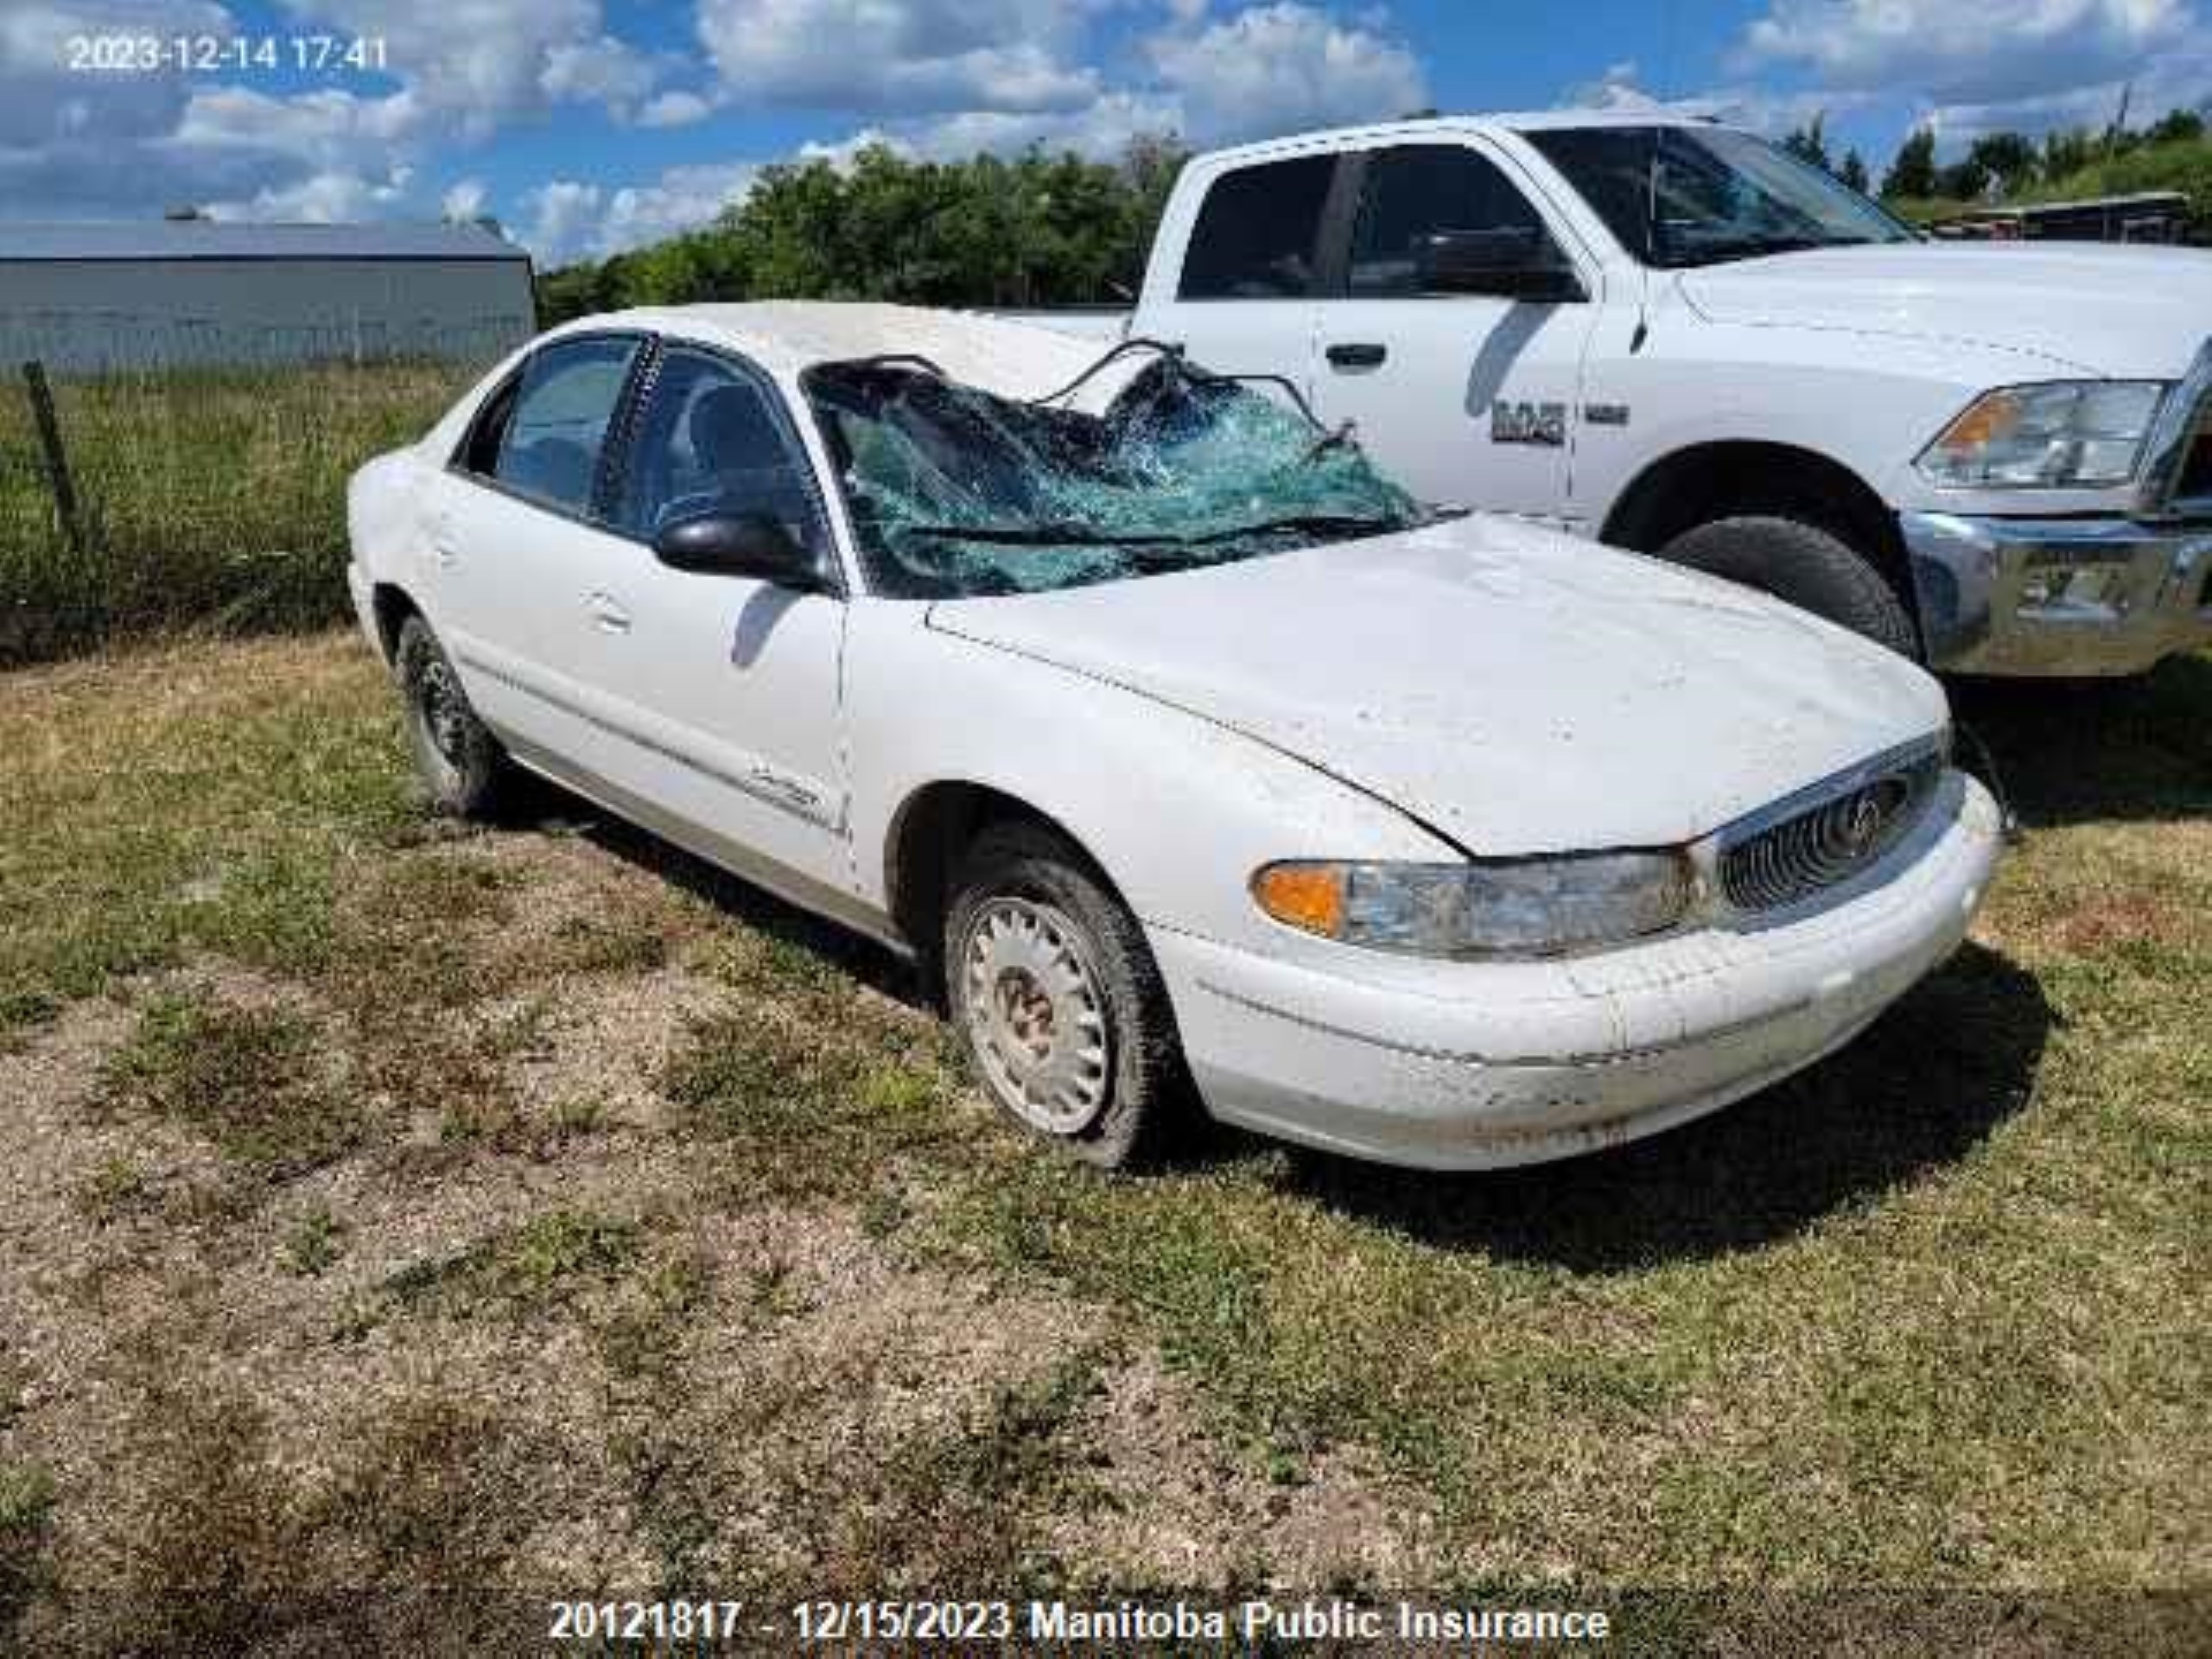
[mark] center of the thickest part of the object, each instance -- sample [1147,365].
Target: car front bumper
[1470,1066]
[2057,596]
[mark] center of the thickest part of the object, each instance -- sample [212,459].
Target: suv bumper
[2057,596]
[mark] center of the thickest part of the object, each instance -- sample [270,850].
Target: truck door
[1244,297]
[1464,397]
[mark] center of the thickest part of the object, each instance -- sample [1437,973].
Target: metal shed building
[87,298]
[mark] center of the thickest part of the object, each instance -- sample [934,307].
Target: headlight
[1526,907]
[2078,434]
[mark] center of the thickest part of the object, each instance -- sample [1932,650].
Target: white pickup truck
[1676,338]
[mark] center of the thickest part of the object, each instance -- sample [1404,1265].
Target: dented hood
[1518,690]
[2125,312]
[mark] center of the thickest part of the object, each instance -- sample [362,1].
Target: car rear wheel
[1056,1000]
[1804,565]
[462,764]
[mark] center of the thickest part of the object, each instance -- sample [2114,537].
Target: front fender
[1179,812]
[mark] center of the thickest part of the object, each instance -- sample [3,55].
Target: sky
[589,126]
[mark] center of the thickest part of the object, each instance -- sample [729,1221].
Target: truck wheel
[1807,567]
[462,763]
[1057,1000]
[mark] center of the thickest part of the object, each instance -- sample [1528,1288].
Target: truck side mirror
[1515,262]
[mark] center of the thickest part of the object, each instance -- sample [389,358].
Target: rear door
[1248,272]
[1465,398]
[518,543]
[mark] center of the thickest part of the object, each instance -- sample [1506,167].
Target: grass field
[213,499]
[386,1203]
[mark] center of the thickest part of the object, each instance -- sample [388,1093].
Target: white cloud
[603,71]
[1101,129]
[674,109]
[907,57]
[323,199]
[569,219]
[1276,69]
[474,64]
[1758,108]
[1618,88]
[1968,51]
[464,199]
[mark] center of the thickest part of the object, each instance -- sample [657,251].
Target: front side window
[713,440]
[1258,231]
[564,406]
[956,492]
[1419,193]
[1677,196]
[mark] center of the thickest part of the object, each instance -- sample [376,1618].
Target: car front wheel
[1056,1000]
[462,763]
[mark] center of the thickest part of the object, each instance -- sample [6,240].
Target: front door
[1464,399]
[728,687]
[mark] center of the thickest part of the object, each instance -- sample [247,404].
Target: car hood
[1515,689]
[2123,312]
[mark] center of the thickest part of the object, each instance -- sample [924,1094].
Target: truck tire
[1057,1000]
[462,766]
[1803,565]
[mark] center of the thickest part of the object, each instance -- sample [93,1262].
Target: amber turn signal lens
[1306,896]
[1992,417]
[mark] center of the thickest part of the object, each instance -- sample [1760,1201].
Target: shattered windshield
[957,492]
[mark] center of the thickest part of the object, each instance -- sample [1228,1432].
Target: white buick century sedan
[1207,768]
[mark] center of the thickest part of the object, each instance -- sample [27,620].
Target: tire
[1036,948]
[1803,565]
[462,764]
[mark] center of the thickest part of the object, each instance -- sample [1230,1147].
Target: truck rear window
[1258,231]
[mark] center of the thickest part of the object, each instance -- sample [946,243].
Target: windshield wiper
[1082,535]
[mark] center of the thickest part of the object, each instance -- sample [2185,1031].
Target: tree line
[2002,164]
[1039,230]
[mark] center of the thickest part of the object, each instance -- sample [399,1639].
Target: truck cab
[1677,338]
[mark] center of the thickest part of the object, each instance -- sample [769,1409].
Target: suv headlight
[2068,433]
[1519,907]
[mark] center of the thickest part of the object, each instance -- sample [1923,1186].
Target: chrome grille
[1804,846]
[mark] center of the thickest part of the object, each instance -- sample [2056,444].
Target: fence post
[57,458]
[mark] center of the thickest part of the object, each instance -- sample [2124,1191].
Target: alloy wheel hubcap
[1037,1014]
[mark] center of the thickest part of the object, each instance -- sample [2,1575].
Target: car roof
[787,337]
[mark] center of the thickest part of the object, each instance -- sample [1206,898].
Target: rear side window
[1258,231]
[564,406]
[1418,192]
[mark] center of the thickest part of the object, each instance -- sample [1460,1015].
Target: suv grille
[1832,838]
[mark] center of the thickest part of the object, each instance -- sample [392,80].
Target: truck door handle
[606,616]
[1362,355]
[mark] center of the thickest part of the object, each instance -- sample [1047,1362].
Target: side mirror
[738,545]
[1517,262]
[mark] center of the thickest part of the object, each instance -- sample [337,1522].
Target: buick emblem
[1863,823]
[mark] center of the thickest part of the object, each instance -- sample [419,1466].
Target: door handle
[443,548]
[606,616]
[1360,355]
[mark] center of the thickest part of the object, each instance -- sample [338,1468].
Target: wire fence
[205,497]
[97,342]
